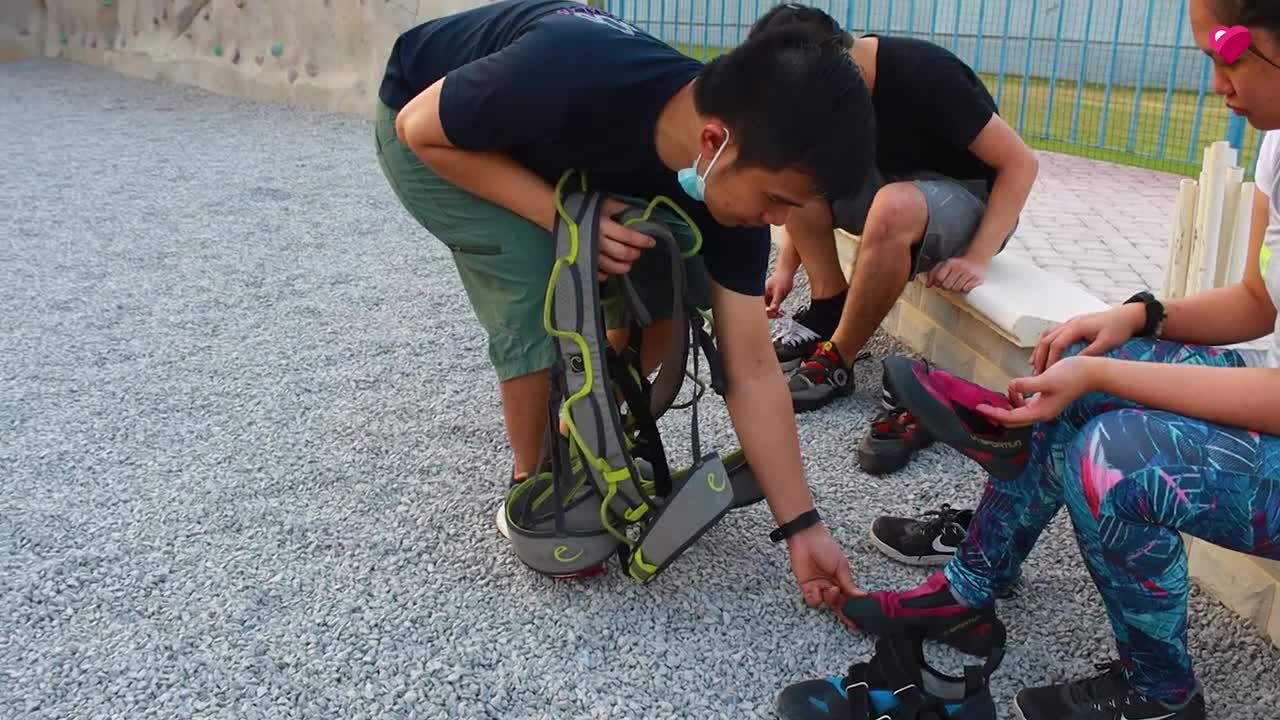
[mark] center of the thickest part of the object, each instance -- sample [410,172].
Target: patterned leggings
[1132,479]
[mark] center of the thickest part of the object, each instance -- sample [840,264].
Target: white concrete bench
[987,334]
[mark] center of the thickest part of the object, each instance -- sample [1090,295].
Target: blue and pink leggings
[1132,479]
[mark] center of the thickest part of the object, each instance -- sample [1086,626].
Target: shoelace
[793,333]
[944,516]
[1106,689]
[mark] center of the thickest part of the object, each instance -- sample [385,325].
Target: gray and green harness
[605,487]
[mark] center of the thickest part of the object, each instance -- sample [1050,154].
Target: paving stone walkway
[1103,226]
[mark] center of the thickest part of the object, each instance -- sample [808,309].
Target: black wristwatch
[801,522]
[1155,314]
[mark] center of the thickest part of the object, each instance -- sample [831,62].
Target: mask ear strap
[723,145]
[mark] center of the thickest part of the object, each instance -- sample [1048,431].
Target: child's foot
[947,408]
[1107,696]
[930,609]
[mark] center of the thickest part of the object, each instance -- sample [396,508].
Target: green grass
[1176,155]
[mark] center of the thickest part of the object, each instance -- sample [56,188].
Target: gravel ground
[250,452]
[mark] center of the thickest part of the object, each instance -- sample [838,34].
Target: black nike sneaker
[1107,696]
[931,541]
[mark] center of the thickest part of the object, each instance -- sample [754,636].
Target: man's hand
[777,288]
[958,274]
[821,568]
[619,246]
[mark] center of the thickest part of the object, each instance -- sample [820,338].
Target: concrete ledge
[986,335]
[1248,585]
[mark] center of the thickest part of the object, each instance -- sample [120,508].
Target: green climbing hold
[217,49]
[106,3]
[63,37]
[277,49]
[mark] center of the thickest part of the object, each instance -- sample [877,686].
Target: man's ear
[713,136]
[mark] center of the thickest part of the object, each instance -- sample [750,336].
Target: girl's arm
[1231,314]
[1239,397]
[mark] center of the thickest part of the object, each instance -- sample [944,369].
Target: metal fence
[1118,80]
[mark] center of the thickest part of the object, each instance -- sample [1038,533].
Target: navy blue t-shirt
[559,85]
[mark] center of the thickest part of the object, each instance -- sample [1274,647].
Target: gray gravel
[250,451]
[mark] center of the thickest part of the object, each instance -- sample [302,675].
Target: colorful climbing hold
[277,49]
[217,49]
[62,36]
[106,3]
[111,40]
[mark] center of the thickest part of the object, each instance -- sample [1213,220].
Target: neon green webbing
[612,476]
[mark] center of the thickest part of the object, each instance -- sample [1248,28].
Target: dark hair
[794,100]
[1251,13]
[793,13]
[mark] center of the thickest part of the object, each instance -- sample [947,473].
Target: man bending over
[481,112]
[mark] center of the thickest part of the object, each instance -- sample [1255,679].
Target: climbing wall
[323,53]
[22,30]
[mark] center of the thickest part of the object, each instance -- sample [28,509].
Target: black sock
[824,314]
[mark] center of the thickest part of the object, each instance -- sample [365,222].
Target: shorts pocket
[474,249]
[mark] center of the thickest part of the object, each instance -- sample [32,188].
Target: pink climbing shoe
[946,406]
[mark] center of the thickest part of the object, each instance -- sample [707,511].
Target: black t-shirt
[930,107]
[558,85]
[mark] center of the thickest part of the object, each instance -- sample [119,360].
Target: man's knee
[898,217]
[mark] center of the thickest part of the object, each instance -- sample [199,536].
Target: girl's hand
[1103,330]
[1051,391]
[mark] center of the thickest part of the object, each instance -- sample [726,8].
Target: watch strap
[800,522]
[1155,312]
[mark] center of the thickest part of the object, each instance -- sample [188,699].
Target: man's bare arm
[494,176]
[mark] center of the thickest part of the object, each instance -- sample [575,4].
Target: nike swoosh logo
[945,548]
[1166,716]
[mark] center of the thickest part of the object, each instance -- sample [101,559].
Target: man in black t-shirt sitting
[949,181]
[481,112]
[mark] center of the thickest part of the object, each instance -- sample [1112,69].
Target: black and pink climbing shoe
[947,407]
[930,609]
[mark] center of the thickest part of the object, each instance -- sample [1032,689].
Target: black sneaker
[897,682]
[797,339]
[914,541]
[821,379]
[1107,696]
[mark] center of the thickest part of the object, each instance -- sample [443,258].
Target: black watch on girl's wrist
[1155,314]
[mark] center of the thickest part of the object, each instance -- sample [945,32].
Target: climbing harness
[605,486]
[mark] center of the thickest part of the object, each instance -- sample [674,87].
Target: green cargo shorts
[504,261]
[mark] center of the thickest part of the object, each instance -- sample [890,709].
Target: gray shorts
[955,207]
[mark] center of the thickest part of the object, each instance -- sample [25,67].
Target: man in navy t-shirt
[481,112]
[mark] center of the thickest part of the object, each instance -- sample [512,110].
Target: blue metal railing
[1066,74]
